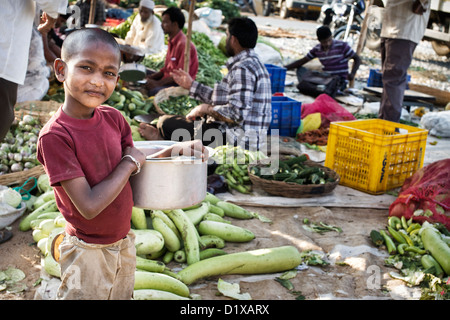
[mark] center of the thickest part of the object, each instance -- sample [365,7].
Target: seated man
[145,31]
[172,24]
[334,56]
[238,109]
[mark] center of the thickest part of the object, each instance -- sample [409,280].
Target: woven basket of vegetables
[295,177]
[40,110]
[174,101]
[18,160]
[20,177]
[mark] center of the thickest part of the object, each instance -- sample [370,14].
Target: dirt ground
[355,271]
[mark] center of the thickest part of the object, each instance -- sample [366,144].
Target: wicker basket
[42,110]
[19,178]
[165,94]
[295,190]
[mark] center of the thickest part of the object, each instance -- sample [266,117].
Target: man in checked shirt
[238,109]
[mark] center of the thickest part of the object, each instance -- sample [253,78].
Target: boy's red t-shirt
[69,148]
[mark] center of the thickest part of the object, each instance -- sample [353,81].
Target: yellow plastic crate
[370,156]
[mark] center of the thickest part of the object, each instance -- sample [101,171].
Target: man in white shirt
[16,22]
[145,31]
[404,24]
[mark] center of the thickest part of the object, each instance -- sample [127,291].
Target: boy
[88,153]
[334,56]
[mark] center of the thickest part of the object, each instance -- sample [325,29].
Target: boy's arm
[355,66]
[298,63]
[91,201]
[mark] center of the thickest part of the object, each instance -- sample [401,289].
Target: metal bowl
[168,183]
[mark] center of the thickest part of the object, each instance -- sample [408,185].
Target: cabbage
[10,197]
[43,183]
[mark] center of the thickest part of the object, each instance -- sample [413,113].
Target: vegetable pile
[130,102]
[18,151]
[195,237]
[421,253]
[295,170]
[232,165]
[178,105]
[210,60]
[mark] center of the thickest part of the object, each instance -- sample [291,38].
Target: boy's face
[90,75]
[326,44]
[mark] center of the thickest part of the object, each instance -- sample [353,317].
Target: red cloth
[69,148]
[426,188]
[175,56]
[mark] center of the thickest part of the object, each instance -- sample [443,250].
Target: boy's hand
[187,148]
[192,148]
[135,153]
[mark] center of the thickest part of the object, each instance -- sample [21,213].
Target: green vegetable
[396,235]
[138,218]
[429,262]
[43,183]
[227,232]
[159,281]
[211,241]
[171,240]
[122,29]
[234,211]
[188,233]
[168,257]
[433,242]
[376,237]
[212,199]
[216,210]
[258,261]
[215,217]
[179,256]
[152,294]
[49,215]
[211,252]
[392,249]
[149,265]
[148,241]
[320,227]
[160,214]
[196,215]
[43,198]
[10,197]
[178,105]
[51,266]
[46,207]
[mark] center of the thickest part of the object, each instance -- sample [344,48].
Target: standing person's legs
[8,98]
[396,57]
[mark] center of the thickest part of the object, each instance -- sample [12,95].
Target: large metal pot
[168,183]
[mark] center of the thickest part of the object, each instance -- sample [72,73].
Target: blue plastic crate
[277,77]
[286,115]
[376,78]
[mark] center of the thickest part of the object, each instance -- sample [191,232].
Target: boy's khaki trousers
[95,271]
